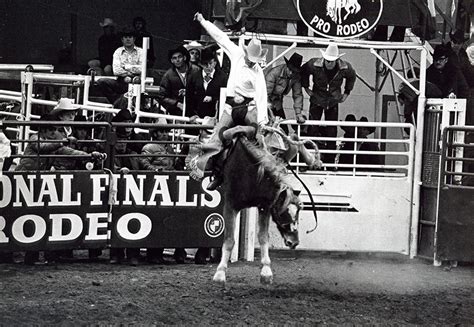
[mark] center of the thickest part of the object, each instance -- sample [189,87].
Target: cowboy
[246,101]
[280,80]
[329,72]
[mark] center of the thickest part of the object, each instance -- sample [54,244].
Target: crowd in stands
[191,87]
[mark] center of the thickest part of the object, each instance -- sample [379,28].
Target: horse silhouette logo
[340,19]
[334,9]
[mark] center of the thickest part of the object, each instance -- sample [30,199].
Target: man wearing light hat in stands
[329,72]
[194,48]
[246,102]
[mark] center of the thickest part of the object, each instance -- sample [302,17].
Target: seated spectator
[40,147]
[139,24]
[125,116]
[126,65]
[123,165]
[155,162]
[107,44]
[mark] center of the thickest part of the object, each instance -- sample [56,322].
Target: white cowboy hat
[193,45]
[254,51]
[331,53]
[107,22]
[64,104]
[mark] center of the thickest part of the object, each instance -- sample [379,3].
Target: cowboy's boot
[217,175]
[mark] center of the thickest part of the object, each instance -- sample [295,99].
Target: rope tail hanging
[313,205]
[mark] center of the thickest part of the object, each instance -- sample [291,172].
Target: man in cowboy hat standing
[280,80]
[246,101]
[329,72]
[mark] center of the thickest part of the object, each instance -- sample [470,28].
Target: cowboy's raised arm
[220,37]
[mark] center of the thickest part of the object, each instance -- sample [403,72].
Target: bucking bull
[254,177]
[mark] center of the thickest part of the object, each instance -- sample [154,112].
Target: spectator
[5,148]
[123,165]
[461,59]
[125,116]
[127,61]
[204,87]
[329,72]
[155,162]
[107,44]
[409,99]
[246,101]
[280,80]
[362,133]
[139,24]
[445,74]
[194,48]
[174,81]
[41,145]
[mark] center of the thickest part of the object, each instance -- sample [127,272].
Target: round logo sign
[340,19]
[214,225]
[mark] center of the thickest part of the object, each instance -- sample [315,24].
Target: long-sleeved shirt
[279,83]
[243,80]
[127,63]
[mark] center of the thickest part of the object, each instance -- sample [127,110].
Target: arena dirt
[309,289]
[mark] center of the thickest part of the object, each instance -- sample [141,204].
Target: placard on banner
[50,211]
[340,19]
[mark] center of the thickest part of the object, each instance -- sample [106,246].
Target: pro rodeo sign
[65,210]
[340,19]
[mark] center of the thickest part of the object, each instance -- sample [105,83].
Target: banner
[340,19]
[49,211]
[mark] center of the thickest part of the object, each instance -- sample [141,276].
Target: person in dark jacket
[329,73]
[139,24]
[173,84]
[107,44]
[204,86]
[446,75]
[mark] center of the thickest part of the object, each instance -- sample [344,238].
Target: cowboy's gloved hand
[300,119]
[198,17]
[124,170]
[207,99]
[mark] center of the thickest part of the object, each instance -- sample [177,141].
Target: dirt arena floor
[308,289]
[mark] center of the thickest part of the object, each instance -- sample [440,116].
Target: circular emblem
[340,19]
[214,225]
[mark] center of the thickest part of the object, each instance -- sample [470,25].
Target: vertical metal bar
[146,42]
[418,158]
[29,96]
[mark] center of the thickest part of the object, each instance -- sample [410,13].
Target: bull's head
[285,213]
